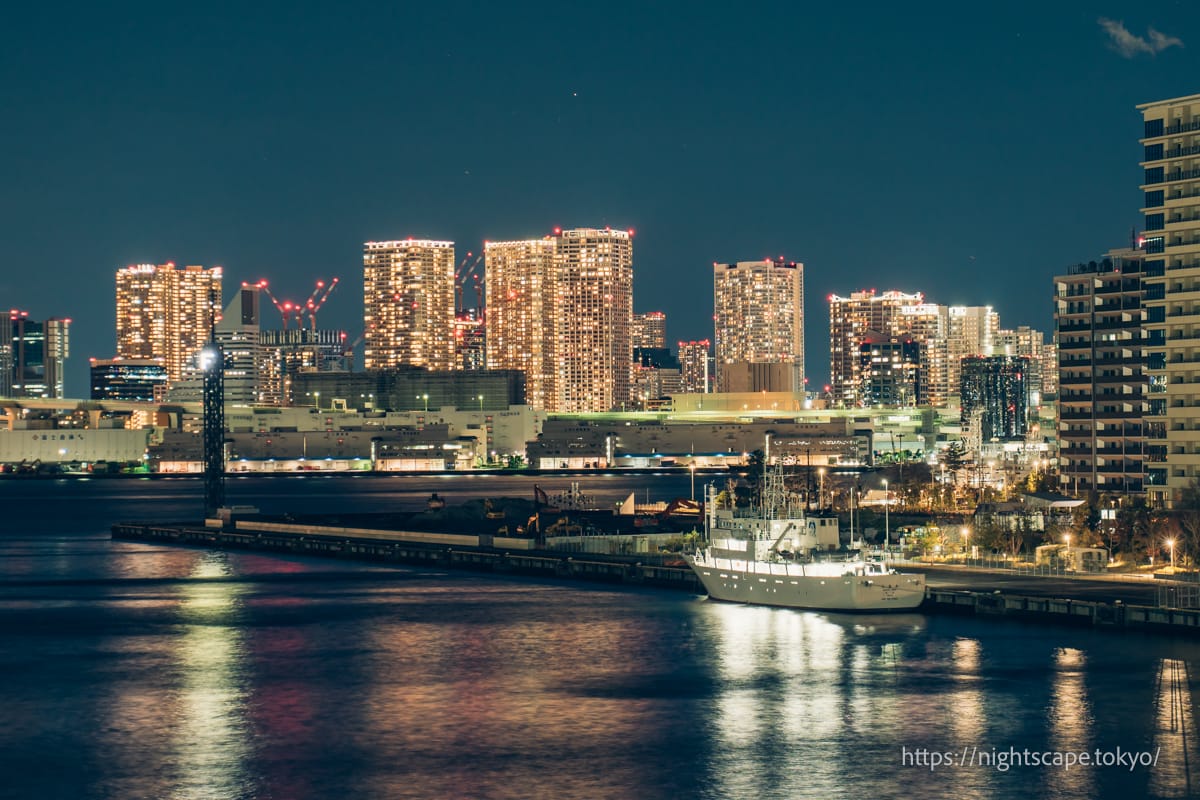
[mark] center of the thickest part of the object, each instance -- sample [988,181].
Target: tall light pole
[480,404]
[693,468]
[424,397]
[821,489]
[1171,547]
[887,523]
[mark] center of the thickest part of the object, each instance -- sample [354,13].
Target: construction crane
[348,351]
[316,301]
[285,309]
[460,278]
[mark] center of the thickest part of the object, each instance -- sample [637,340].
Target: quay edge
[482,553]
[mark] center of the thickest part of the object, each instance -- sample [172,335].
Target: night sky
[965,152]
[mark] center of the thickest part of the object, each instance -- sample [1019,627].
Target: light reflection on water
[135,671]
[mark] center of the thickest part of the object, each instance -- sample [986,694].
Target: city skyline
[891,151]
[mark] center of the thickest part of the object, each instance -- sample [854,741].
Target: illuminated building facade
[758,319]
[35,356]
[470,339]
[560,309]
[593,317]
[136,379]
[286,354]
[238,334]
[1106,380]
[695,366]
[1171,243]
[889,372]
[969,331]
[408,296]
[519,329]
[1025,341]
[994,393]
[891,315]
[166,312]
[650,330]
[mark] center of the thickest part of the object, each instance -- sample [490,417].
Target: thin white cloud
[1129,45]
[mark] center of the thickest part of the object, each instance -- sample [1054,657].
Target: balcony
[1177,175]
[1181,127]
[1179,152]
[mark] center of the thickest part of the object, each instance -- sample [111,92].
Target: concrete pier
[517,556]
[418,548]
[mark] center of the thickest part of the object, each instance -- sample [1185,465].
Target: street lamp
[317,400]
[1171,547]
[424,397]
[966,537]
[887,524]
[821,489]
[480,398]
[693,468]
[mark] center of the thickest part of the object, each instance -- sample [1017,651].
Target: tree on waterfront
[1133,531]
[1187,521]
[1085,521]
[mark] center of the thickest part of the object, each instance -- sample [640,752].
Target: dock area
[1087,607]
[451,551]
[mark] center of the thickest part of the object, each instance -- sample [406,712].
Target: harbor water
[130,670]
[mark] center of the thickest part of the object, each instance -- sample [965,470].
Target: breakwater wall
[1064,611]
[504,556]
[447,551]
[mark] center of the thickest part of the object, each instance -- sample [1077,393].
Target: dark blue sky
[967,153]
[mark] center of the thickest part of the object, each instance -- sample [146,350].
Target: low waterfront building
[133,379]
[574,443]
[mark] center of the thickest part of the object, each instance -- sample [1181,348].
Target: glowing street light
[692,466]
[480,398]
[1171,547]
[821,489]
[424,397]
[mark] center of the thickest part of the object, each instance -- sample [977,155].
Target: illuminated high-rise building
[238,334]
[593,316]
[650,330]
[1025,341]
[695,363]
[166,312]
[865,315]
[1099,315]
[285,354]
[994,392]
[470,339]
[560,309]
[518,283]
[758,321]
[141,379]
[969,331]
[408,297]
[1171,244]
[36,353]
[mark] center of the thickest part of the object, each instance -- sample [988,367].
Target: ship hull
[890,592]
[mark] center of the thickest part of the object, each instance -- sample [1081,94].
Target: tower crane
[460,278]
[285,309]
[314,305]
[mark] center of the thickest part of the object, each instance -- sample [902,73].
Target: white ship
[766,557]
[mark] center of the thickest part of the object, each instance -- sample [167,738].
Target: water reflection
[1175,732]
[1070,722]
[801,683]
[211,733]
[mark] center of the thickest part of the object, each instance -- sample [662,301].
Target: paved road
[1105,591]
